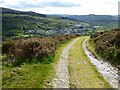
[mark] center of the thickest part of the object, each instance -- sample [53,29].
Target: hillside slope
[17,23]
[107,45]
[104,20]
[10,11]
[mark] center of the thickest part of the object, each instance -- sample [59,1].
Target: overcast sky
[73,7]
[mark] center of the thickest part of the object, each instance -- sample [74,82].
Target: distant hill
[105,20]
[10,11]
[17,23]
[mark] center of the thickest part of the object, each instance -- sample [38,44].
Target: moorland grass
[82,73]
[33,74]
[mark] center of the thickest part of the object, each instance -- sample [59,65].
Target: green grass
[82,73]
[31,75]
[22,35]
[34,75]
[90,44]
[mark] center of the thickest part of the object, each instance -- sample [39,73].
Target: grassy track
[82,73]
[31,75]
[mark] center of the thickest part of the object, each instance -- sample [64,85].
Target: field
[31,74]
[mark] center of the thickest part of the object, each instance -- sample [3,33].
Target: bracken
[23,50]
[107,45]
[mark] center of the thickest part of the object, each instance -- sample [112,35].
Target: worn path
[80,72]
[106,70]
[62,73]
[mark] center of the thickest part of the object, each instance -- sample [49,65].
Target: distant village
[77,29]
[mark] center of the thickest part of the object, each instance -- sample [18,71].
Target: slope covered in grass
[36,73]
[17,23]
[107,45]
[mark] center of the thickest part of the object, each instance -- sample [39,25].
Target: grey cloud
[60,4]
[43,4]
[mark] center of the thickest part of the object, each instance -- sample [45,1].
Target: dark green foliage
[107,45]
[24,50]
[7,46]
